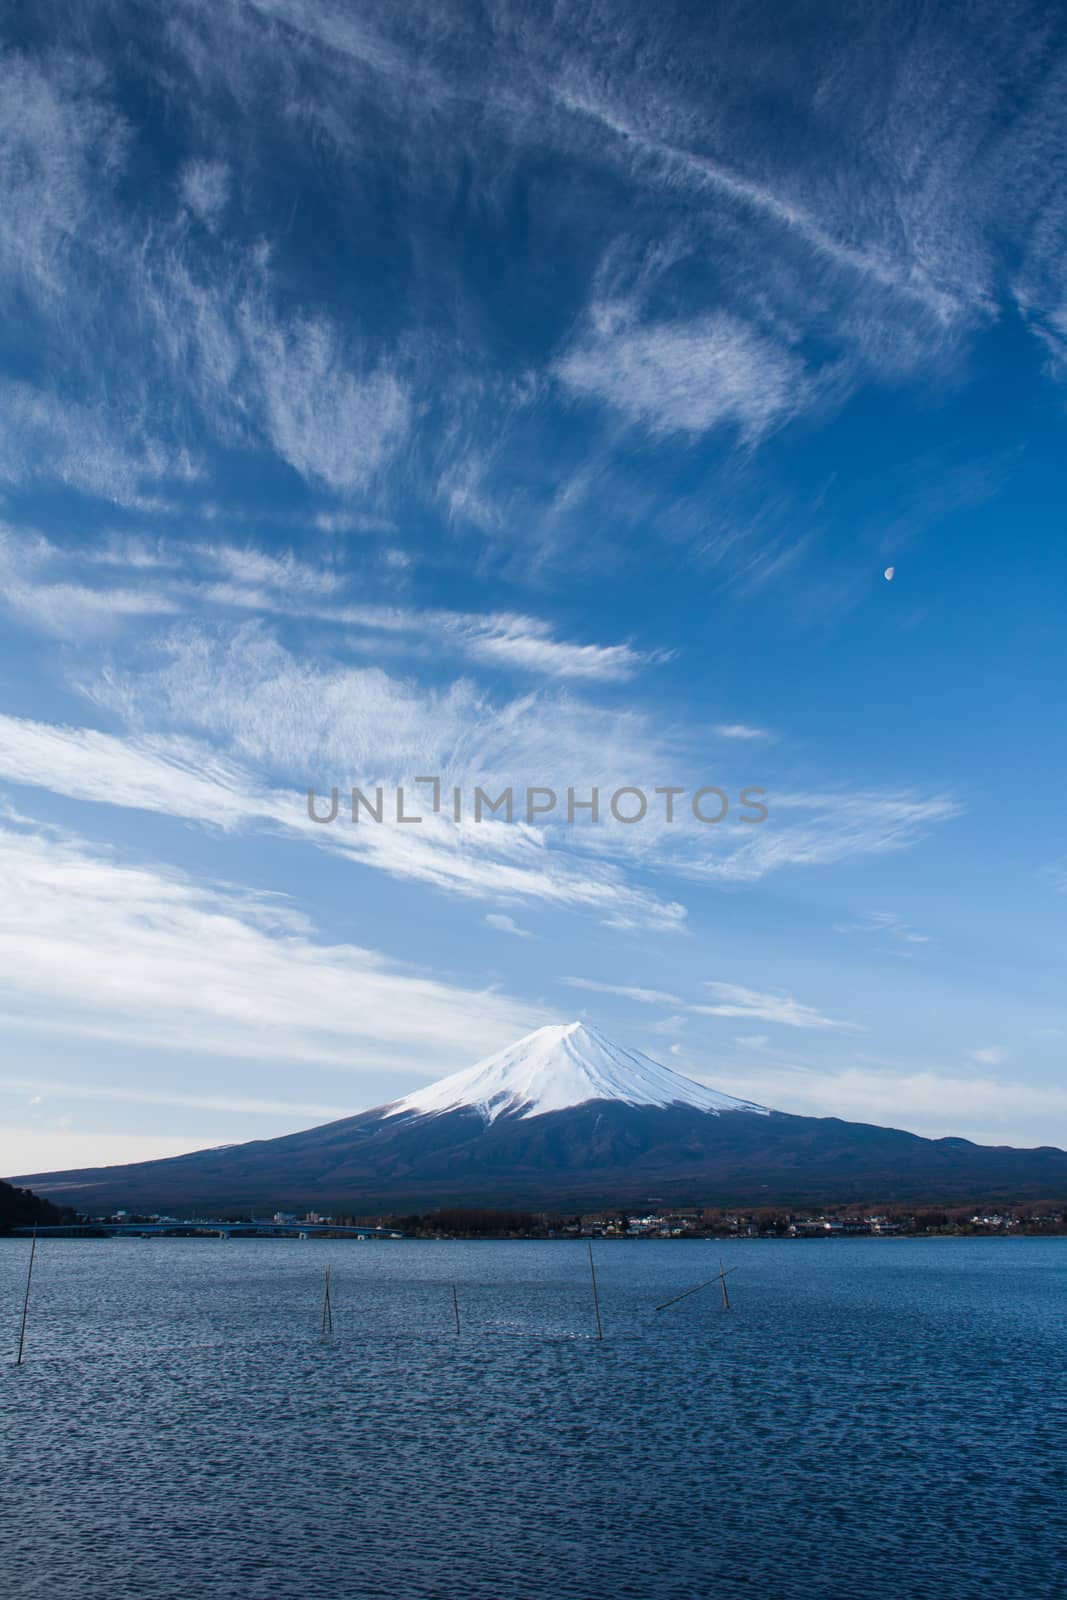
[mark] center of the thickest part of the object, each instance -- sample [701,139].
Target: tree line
[21,1208]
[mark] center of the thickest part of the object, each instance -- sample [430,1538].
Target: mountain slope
[565,1118]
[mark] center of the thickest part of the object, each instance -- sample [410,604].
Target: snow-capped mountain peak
[566,1064]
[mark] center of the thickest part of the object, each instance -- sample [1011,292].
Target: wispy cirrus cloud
[324,718]
[741,246]
[251,567]
[646,997]
[651,157]
[369,728]
[333,419]
[742,731]
[734,1000]
[74,610]
[361,724]
[140,952]
[990,1055]
[501,923]
[104,450]
[62,590]
[297,382]
[885,925]
[59,137]
[935,1101]
[819,829]
[205,188]
[73,1089]
[530,644]
[687,377]
[183,778]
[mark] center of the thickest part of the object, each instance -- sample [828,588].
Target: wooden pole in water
[327,1310]
[685,1294]
[455,1305]
[722,1281]
[719,1276]
[26,1298]
[596,1297]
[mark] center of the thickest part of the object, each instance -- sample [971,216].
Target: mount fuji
[565,1118]
[568,1064]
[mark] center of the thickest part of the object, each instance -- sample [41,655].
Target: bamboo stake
[707,1282]
[596,1297]
[327,1310]
[455,1306]
[26,1298]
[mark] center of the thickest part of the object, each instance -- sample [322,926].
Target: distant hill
[567,1119]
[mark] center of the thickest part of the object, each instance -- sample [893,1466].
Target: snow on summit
[566,1064]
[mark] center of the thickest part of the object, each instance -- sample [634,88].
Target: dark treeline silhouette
[21,1208]
[467,1221]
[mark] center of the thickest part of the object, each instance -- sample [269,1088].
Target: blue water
[872,1420]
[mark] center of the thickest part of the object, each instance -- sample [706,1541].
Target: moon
[890,574]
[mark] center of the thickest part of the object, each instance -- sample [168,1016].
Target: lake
[883,1419]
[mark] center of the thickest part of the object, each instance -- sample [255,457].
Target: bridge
[197,1227]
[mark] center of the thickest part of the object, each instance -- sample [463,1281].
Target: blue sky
[529,395]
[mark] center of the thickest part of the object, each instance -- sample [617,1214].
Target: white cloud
[647,997]
[689,377]
[178,777]
[304,383]
[990,1055]
[830,827]
[874,251]
[318,722]
[253,567]
[327,723]
[70,609]
[145,954]
[937,1104]
[518,643]
[648,155]
[102,448]
[732,1000]
[670,1026]
[35,1149]
[740,730]
[192,578]
[528,643]
[504,924]
[205,188]
[56,136]
[352,522]
[171,776]
[73,610]
[887,924]
[319,719]
[334,423]
[165,1095]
